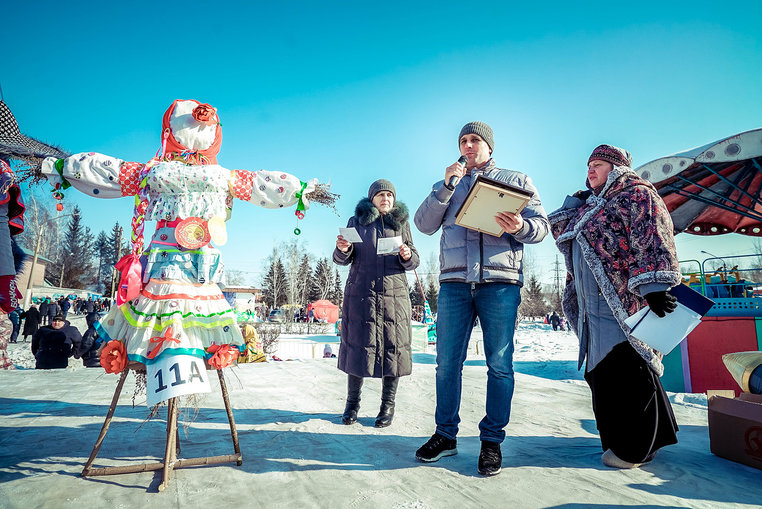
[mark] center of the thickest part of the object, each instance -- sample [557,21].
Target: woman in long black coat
[376,331]
[31,321]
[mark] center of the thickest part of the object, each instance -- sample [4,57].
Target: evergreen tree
[337,295]
[268,290]
[117,247]
[416,297]
[73,266]
[275,285]
[430,281]
[533,303]
[323,280]
[304,282]
[103,257]
[282,294]
[432,291]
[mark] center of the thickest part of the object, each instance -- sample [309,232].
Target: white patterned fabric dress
[180,309]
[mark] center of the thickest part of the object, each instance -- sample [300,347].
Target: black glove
[661,303]
[583,195]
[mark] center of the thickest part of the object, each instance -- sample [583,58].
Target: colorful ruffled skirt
[180,310]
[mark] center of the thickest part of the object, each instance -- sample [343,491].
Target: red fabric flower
[205,113]
[114,357]
[224,355]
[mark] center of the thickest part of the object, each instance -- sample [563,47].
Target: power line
[557,279]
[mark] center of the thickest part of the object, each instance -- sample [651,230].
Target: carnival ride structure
[711,190]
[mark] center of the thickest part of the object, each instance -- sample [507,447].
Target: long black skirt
[632,411]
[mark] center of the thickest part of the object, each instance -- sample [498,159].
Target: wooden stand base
[172,449]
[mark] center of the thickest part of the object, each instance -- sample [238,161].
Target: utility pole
[557,279]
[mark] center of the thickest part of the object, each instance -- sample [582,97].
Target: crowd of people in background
[34,316]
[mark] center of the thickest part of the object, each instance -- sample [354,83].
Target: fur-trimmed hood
[366,213]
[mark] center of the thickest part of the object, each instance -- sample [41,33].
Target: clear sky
[350,93]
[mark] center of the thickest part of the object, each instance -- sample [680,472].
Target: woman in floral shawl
[618,245]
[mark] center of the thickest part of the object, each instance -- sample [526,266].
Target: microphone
[454,180]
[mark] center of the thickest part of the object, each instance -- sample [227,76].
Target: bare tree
[293,254]
[234,277]
[39,224]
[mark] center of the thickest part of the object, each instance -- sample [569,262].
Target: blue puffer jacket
[469,256]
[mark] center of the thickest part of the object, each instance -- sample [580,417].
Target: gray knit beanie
[482,130]
[381,185]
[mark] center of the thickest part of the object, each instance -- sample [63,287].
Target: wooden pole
[231,420]
[169,451]
[172,447]
[106,423]
[180,463]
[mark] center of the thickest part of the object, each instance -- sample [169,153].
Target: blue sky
[350,93]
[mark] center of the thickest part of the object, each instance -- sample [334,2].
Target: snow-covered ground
[296,452]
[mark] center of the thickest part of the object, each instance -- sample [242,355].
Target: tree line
[295,277]
[77,257]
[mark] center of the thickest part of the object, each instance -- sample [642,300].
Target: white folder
[665,333]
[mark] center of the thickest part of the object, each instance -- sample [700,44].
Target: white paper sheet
[664,333]
[175,375]
[388,245]
[350,235]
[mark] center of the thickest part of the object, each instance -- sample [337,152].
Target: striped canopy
[713,189]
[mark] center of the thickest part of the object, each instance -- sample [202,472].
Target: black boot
[354,386]
[386,414]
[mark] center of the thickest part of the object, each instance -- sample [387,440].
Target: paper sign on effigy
[175,375]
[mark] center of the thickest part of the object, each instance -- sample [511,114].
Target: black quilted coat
[375,324]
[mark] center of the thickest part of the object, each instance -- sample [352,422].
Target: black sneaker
[490,459]
[437,447]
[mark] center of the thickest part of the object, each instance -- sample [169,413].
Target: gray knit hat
[381,185]
[482,130]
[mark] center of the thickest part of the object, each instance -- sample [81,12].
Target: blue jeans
[496,305]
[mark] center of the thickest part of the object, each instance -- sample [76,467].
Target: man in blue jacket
[480,277]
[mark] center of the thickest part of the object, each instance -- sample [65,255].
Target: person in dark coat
[65,305]
[53,310]
[31,321]
[376,331]
[89,305]
[555,320]
[44,311]
[91,342]
[53,344]
[15,318]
